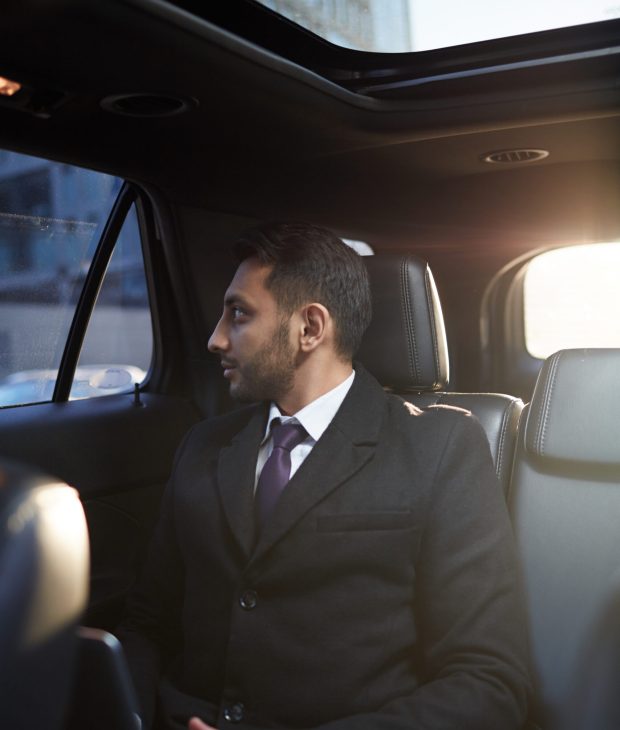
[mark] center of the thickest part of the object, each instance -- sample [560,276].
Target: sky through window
[418,25]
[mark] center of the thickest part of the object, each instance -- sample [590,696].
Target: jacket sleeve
[469,607]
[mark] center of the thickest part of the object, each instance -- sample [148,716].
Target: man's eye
[237,312]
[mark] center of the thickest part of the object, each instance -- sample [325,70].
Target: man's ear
[316,322]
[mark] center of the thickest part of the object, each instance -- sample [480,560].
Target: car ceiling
[270,139]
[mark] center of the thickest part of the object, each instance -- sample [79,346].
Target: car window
[571,299]
[118,346]
[392,26]
[52,216]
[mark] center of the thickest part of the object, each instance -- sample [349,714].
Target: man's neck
[311,384]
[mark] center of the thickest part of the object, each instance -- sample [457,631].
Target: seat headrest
[44,566]
[574,415]
[405,345]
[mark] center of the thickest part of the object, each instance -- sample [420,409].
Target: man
[332,557]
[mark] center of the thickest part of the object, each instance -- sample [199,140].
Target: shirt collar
[316,416]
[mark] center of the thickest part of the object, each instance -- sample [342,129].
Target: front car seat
[44,565]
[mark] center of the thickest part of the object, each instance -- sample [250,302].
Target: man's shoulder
[401,418]
[431,424]
[423,416]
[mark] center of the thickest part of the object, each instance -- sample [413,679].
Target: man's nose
[218,342]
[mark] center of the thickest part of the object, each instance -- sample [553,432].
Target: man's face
[253,339]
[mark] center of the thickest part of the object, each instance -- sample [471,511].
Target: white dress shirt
[315,418]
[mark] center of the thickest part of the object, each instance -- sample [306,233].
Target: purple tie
[276,472]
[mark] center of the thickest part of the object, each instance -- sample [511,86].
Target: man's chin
[241,394]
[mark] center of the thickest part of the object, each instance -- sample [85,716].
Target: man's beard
[270,373]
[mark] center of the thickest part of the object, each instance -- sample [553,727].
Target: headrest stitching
[502,436]
[539,417]
[406,304]
[431,314]
[543,420]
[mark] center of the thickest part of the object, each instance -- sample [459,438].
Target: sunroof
[396,26]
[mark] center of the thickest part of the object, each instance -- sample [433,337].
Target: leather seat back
[405,348]
[565,504]
[43,591]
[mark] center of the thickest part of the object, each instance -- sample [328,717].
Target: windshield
[395,26]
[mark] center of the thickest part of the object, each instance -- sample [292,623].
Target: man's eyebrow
[234,298]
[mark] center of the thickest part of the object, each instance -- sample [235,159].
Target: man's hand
[196,723]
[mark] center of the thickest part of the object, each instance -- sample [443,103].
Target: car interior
[462,173]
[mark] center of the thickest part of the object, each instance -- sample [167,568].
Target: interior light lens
[8,87]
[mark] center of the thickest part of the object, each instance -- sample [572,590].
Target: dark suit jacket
[382,594]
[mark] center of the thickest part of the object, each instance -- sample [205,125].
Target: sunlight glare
[572,299]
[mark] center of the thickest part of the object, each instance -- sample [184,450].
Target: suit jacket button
[234,713]
[248,600]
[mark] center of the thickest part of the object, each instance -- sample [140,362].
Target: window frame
[88,297]
[129,195]
[407,75]
[507,364]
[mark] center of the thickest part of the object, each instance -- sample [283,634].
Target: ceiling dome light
[516,156]
[147,105]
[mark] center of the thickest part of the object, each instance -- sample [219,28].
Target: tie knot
[287,435]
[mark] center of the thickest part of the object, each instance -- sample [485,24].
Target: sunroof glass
[396,26]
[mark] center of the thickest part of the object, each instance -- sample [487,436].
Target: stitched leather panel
[405,346]
[575,411]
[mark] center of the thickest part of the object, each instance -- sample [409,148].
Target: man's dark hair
[311,264]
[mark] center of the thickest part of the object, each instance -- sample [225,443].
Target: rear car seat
[405,348]
[565,504]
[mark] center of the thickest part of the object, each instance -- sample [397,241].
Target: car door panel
[118,455]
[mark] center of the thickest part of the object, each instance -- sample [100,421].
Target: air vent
[519,156]
[147,105]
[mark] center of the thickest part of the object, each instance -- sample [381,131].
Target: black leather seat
[43,591]
[103,696]
[405,348]
[565,504]
[597,699]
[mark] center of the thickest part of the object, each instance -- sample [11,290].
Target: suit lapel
[347,445]
[235,479]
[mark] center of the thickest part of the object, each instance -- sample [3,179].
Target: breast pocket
[397,520]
